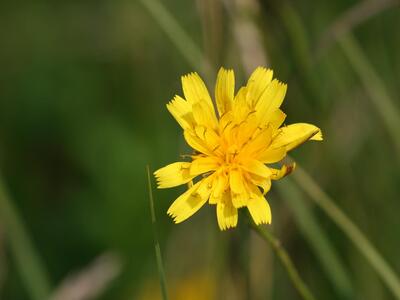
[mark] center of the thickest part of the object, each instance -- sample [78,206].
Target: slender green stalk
[380,98]
[181,40]
[30,266]
[359,240]
[284,258]
[161,273]
[318,240]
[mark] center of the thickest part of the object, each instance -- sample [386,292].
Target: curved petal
[196,143]
[173,175]
[282,172]
[203,165]
[227,214]
[260,140]
[239,190]
[190,201]
[220,184]
[270,100]
[240,107]
[204,115]
[296,134]
[236,182]
[259,208]
[256,167]
[276,119]
[224,90]
[264,183]
[181,110]
[270,156]
[195,90]
[257,83]
[239,200]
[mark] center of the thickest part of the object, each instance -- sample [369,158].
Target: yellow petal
[270,100]
[173,175]
[260,141]
[220,184]
[190,201]
[203,115]
[264,183]
[276,119]
[239,200]
[240,107]
[296,134]
[209,136]
[270,156]
[203,165]
[227,214]
[257,83]
[236,182]
[196,143]
[259,208]
[239,192]
[181,110]
[256,167]
[282,172]
[246,130]
[224,90]
[194,89]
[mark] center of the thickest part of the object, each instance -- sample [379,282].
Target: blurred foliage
[83,88]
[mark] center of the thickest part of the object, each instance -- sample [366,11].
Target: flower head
[232,147]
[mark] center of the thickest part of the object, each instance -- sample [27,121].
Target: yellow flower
[233,147]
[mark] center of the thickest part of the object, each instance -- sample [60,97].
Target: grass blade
[285,259]
[28,263]
[317,239]
[181,40]
[160,268]
[379,97]
[359,240]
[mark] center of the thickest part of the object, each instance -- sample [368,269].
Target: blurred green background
[83,88]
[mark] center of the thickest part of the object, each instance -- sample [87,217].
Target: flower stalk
[285,260]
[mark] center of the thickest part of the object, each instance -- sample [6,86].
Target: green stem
[28,263]
[317,238]
[287,263]
[359,240]
[161,273]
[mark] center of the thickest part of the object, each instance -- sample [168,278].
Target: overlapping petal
[259,208]
[296,134]
[190,201]
[227,214]
[224,90]
[173,175]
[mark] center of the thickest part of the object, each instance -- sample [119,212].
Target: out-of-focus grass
[82,110]
[157,248]
[29,264]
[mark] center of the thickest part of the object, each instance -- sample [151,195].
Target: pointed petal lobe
[259,208]
[173,175]
[257,83]
[224,90]
[296,134]
[227,214]
[181,110]
[190,201]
